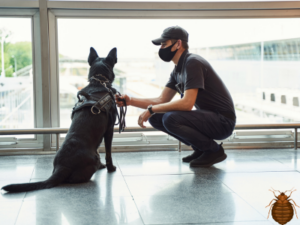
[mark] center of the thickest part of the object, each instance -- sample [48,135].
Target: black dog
[77,159]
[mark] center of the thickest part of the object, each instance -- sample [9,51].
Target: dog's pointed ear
[93,55]
[111,58]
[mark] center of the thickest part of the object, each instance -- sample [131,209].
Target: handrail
[57,131]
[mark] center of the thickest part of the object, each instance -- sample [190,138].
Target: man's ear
[180,44]
[111,58]
[93,55]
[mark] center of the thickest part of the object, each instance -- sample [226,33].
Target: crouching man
[200,86]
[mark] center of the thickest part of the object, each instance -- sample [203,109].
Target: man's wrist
[129,101]
[149,108]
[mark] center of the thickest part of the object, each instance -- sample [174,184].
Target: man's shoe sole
[189,160]
[220,159]
[185,160]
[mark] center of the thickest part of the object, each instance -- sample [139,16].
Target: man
[199,86]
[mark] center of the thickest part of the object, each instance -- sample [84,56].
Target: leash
[122,123]
[111,91]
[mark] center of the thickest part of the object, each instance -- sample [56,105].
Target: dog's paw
[111,168]
[102,166]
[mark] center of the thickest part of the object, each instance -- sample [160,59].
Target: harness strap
[98,102]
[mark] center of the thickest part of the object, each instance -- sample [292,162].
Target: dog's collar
[101,81]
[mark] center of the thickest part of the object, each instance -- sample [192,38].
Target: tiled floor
[154,188]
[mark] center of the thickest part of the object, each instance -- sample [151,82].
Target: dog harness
[101,101]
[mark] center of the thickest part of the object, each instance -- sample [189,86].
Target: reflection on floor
[154,188]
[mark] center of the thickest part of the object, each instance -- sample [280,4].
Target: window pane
[16,86]
[257,59]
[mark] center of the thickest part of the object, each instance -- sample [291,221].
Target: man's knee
[154,120]
[170,120]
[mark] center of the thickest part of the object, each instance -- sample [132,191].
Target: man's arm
[166,96]
[184,104]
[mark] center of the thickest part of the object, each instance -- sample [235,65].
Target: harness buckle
[99,111]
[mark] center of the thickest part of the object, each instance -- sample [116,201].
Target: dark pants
[197,128]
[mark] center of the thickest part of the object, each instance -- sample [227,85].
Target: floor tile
[151,155]
[44,168]
[292,163]
[260,182]
[212,208]
[65,209]
[186,185]
[18,159]
[9,212]
[42,171]
[98,187]
[45,160]
[154,167]
[16,171]
[254,164]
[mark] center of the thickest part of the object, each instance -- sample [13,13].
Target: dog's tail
[59,175]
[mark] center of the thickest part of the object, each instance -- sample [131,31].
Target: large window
[16,79]
[258,60]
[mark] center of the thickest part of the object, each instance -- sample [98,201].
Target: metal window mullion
[19,4]
[296,139]
[54,74]
[154,5]
[37,71]
[174,14]
[44,48]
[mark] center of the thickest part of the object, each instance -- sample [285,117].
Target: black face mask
[166,54]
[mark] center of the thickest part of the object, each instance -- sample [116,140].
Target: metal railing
[58,131]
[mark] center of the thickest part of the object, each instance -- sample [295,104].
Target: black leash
[121,118]
[122,123]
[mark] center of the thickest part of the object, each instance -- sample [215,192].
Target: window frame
[148,11]
[122,10]
[35,143]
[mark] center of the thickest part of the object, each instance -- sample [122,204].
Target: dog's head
[102,66]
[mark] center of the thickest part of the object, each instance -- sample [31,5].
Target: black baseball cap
[175,32]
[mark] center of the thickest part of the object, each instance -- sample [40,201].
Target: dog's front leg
[98,158]
[108,142]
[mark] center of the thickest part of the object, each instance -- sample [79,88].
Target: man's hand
[144,118]
[120,103]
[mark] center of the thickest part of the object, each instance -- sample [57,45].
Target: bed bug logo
[282,209]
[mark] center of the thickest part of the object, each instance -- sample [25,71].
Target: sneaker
[208,158]
[195,155]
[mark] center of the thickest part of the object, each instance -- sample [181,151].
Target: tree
[4,35]
[20,55]
[16,55]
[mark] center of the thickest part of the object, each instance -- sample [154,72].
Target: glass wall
[16,79]
[258,60]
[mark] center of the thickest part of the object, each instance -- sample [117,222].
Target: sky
[132,37]
[20,28]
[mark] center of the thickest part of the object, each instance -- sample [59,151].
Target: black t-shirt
[198,73]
